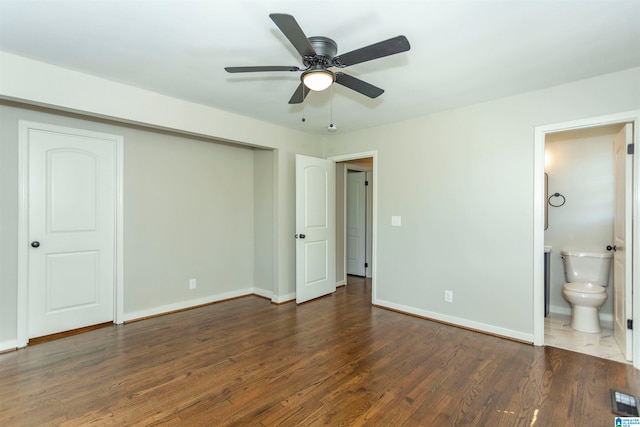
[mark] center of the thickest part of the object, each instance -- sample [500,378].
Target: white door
[71,221]
[622,258]
[356,222]
[315,228]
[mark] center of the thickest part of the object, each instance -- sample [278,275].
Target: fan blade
[259,68]
[294,33]
[299,95]
[358,85]
[378,50]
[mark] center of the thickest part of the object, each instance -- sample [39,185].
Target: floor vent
[624,404]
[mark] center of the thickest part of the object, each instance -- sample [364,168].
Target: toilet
[587,274]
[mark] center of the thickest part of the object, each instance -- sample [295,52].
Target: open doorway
[356,163]
[358,216]
[581,168]
[541,135]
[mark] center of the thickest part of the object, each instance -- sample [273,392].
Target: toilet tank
[589,267]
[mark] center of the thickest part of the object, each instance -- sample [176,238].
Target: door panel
[316,267]
[315,212]
[72,195]
[67,291]
[71,202]
[356,222]
[315,228]
[622,258]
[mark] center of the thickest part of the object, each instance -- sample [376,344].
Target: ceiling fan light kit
[319,53]
[318,80]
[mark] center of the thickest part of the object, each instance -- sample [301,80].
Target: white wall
[8,230]
[580,166]
[463,182]
[188,214]
[263,255]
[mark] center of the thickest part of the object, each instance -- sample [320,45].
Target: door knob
[35,244]
[611,248]
[300,236]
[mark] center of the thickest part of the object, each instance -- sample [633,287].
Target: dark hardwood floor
[333,361]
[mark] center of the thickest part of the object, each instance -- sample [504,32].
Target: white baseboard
[263,293]
[8,345]
[155,311]
[557,309]
[283,298]
[465,323]
[182,305]
[606,323]
[341,283]
[276,300]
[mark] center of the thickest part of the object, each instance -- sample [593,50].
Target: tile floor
[558,333]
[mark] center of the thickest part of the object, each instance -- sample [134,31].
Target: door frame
[540,133]
[374,214]
[24,126]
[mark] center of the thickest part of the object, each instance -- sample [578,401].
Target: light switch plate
[396,221]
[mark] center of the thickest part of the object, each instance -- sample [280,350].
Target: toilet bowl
[586,300]
[587,275]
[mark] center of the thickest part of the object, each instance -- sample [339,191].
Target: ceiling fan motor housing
[326,49]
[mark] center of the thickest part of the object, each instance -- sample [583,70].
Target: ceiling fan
[319,54]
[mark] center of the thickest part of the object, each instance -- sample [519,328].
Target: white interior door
[71,228]
[356,222]
[622,259]
[315,228]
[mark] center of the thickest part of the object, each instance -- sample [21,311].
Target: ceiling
[462,52]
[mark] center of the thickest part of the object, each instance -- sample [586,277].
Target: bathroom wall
[580,166]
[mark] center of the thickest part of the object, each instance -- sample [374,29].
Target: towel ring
[564,200]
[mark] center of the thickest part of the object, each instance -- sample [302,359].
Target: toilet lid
[585,288]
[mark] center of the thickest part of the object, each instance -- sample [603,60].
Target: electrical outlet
[448,296]
[192,284]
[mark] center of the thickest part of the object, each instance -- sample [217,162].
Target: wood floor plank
[333,361]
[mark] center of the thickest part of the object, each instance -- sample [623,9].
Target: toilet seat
[584,288]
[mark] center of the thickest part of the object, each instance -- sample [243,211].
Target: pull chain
[303,119]
[331,127]
[331,109]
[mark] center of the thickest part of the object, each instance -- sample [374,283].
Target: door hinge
[630,324]
[366,183]
[366,264]
[630,149]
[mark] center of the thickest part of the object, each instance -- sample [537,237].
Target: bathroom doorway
[580,166]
